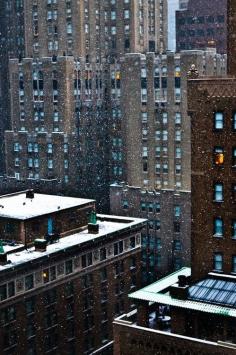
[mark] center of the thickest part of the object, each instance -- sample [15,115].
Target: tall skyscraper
[199,304]
[155,131]
[62,84]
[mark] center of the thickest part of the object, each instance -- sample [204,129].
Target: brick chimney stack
[231,27]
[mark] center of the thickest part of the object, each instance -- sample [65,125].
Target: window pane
[219,120]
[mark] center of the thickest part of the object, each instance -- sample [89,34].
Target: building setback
[195,308]
[63,280]
[96,34]
[202,24]
[156,159]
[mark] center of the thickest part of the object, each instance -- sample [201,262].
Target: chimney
[93,228]
[180,290]
[40,245]
[30,193]
[231,37]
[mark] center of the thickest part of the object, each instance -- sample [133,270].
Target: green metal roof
[156,293]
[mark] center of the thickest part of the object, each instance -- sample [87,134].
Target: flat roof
[17,206]
[158,293]
[107,226]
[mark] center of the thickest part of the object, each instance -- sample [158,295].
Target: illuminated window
[218,156]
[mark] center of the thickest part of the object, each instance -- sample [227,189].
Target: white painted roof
[17,206]
[106,227]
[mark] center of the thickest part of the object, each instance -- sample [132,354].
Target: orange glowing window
[219,156]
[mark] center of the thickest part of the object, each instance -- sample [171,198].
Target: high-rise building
[173,6]
[156,152]
[63,280]
[201,25]
[61,85]
[198,305]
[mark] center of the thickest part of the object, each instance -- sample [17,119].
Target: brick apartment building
[193,310]
[202,24]
[156,158]
[63,280]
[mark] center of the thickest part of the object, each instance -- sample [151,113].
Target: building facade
[96,34]
[60,295]
[201,25]
[194,310]
[155,151]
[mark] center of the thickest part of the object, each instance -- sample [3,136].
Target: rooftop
[158,292]
[108,225]
[18,206]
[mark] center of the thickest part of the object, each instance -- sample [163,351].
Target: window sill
[218,236]
[218,271]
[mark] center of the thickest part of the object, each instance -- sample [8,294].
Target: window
[234,157]
[3,292]
[234,192]
[132,242]
[178,136]
[176,227]
[234,122]
[177,245]
[218,156]
[218,192]
[234,229]
[103,254]
[218,227]
[29,282]
[218,262]
[177,211]
[218,120]
[234,263]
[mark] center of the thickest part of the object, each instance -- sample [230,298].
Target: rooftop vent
[40,245]
[30,193]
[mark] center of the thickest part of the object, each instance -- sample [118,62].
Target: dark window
[127,43]
[69,268]
[29,305]
[103,274]
[3,292]
[11,289]
[176,227]
[103,254]
[29,282]
[132,242]
[69,289]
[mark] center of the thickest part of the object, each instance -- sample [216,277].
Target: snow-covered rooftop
[107,225]
[157,293]
[17,206]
